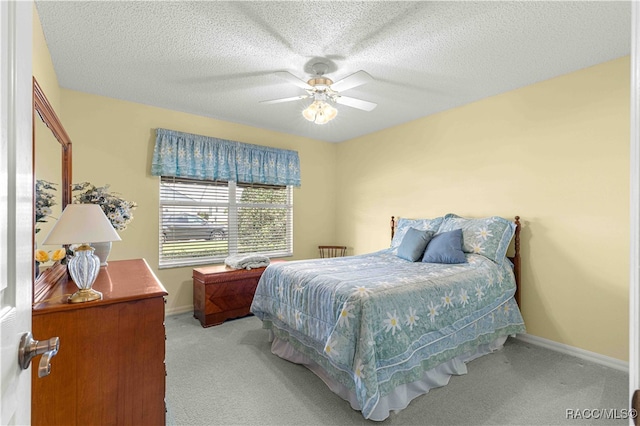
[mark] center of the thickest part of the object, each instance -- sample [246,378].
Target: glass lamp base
[84,268]
[85,295]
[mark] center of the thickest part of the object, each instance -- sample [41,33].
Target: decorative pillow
[421,224]
[445,247]
[488,236]
[413,244]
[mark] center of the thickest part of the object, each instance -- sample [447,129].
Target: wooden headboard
[515,259]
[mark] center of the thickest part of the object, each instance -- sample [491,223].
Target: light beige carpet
[226,375]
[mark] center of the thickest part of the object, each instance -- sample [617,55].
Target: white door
[634,270]
[16,211]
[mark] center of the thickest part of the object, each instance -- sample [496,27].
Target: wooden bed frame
[515,259]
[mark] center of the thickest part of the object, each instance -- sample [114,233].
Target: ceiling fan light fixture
[311,111]
[321,118]
[320,112]
[324,93]
[330,112]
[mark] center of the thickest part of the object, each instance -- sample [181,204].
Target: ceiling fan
[324,91]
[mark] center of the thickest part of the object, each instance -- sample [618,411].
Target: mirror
[47,144]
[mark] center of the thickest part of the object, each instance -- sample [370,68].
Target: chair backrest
[332,251]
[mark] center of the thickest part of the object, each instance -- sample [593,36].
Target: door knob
[30,348]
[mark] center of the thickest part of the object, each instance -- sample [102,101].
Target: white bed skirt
[403,394]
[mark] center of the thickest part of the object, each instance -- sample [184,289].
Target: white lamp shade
[81,223]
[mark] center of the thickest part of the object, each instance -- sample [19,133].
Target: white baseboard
[597,358]
[178,310]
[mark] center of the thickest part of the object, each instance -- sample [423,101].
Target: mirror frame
[43,109]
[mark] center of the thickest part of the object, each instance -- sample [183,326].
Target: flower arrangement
[45,198]
[117,209]
[43,256]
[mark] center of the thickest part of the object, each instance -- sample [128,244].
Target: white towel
[247,261]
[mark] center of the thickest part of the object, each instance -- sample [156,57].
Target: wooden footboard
[515,259]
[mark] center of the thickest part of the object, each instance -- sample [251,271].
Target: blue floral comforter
[376,321]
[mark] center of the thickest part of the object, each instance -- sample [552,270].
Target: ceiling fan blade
[356,103]
[356,79]
[293,79]
[277,101]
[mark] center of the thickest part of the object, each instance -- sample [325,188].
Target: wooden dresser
[221,293]
[110,366]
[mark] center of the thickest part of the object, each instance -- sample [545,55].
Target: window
[205,221]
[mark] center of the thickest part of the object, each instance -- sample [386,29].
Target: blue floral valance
[201,157]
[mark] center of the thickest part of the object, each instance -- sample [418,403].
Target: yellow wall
[42,64]
[48,165]
[113,144]
[557,154]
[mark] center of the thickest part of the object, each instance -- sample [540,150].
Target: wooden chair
[332,251]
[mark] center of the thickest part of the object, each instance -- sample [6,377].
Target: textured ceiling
[218,59]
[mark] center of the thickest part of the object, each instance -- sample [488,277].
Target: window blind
[205,221]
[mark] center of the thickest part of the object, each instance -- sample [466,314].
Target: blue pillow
[445,248]
[422,224]
[413,244]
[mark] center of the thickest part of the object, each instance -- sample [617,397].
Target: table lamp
[82,224]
